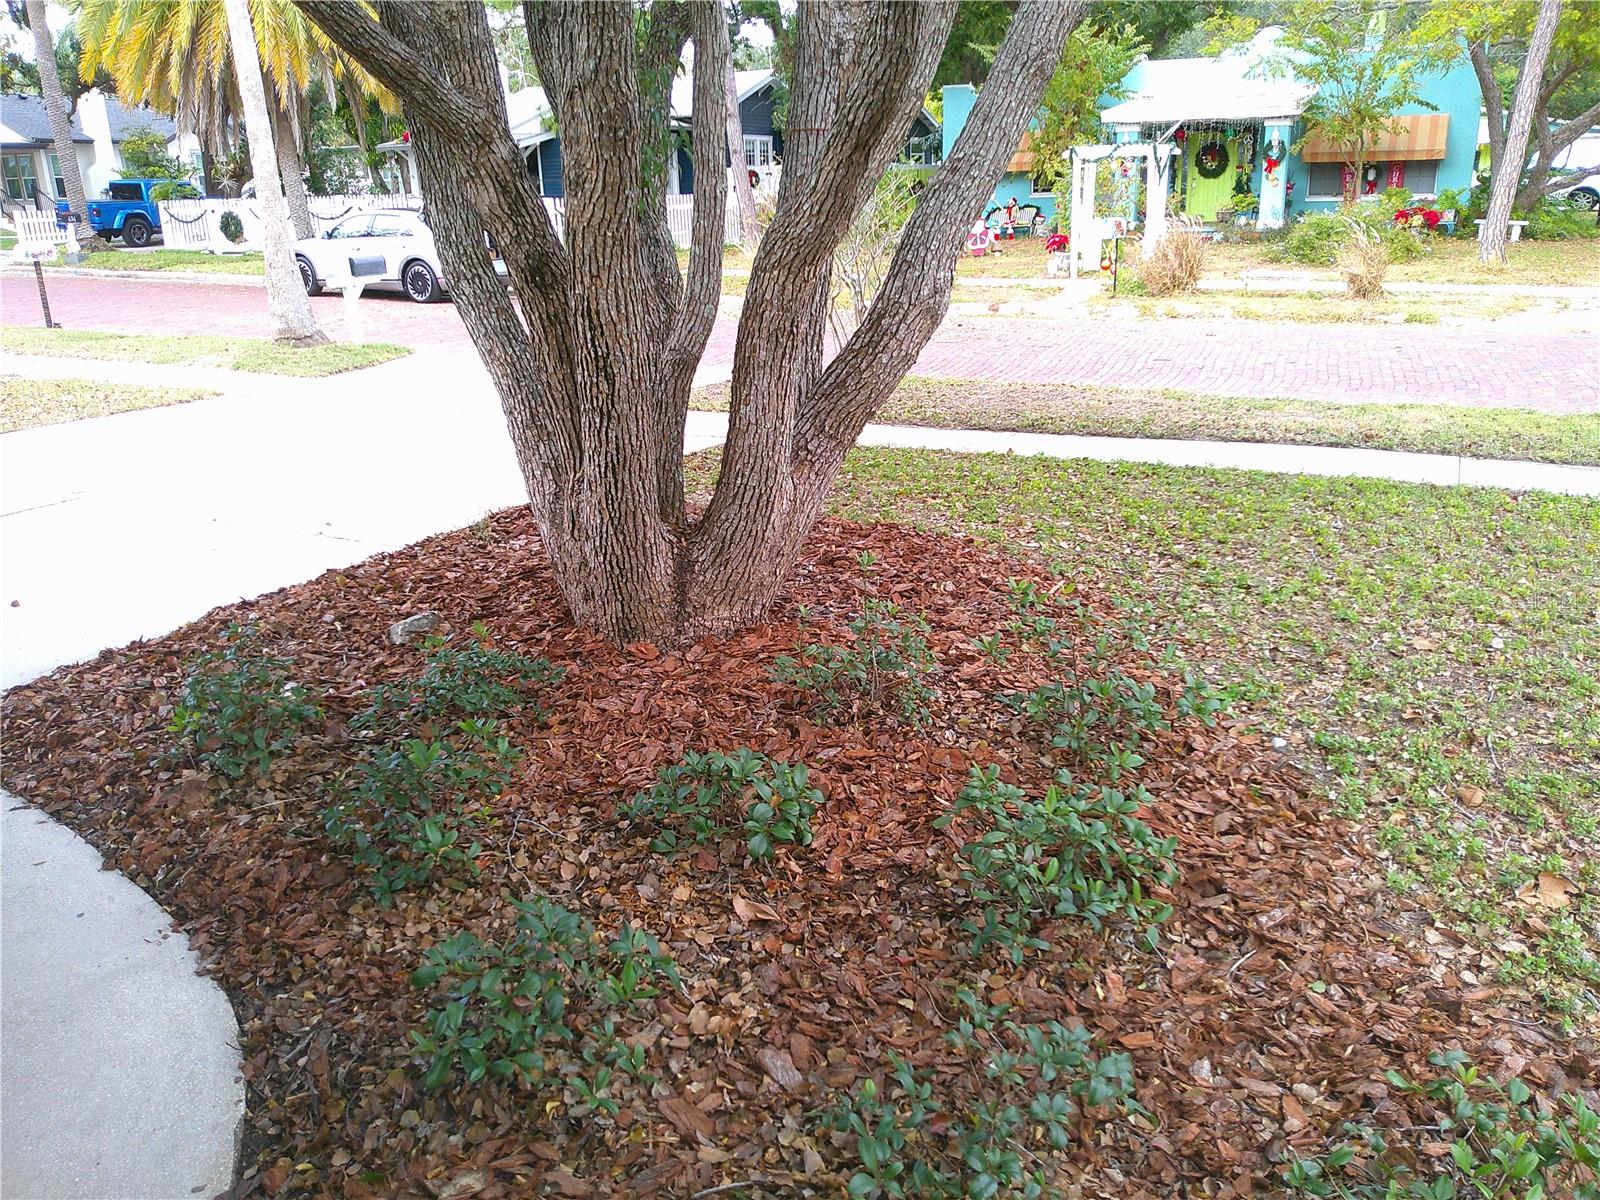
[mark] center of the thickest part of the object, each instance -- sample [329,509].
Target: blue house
[1233,121]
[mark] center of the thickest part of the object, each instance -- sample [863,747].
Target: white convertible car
[388,248]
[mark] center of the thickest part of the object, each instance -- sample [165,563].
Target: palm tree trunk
[287,301]
[55,104]
[1503,188]
[292,168]
[749,225]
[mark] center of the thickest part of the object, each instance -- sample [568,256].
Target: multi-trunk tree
[1504,182]
[593,350]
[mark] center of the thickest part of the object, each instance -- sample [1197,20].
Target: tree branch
[916,290]
[704,288]
[399,67]
[1493,102]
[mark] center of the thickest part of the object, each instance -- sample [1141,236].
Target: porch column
[1276,136]
[1158,174]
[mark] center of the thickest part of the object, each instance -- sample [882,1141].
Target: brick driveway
[1476,366]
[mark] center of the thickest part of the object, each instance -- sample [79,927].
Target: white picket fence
[197,224]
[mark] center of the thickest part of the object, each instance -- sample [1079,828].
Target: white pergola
[1088,229]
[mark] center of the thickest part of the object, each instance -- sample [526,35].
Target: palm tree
[55,103]
[287,301]
[177,58]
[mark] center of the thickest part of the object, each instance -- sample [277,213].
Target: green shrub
[1556,220]
[707,796]
[415,807]
[1079,851]
[1502,1146]
[1318,239]
[239,710]
[1036,1081]
[541,1004]
[886,666]
[465,681]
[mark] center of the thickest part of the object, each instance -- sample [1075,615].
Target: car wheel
[136,231]
[1586,198]
[421,284]
[308,276]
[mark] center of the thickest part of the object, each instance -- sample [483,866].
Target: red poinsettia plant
[1418,218]
[1055,243]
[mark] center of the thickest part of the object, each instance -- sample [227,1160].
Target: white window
[757,151]
[1324,181]
[55,173]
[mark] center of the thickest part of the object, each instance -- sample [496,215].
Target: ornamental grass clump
[1364,262]
[1176,261]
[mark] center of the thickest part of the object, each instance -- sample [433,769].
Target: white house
[32,175]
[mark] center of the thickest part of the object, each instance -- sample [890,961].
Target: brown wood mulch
[1284,987]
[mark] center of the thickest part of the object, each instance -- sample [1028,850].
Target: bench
[1516,228]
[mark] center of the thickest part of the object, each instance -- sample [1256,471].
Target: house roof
[1234,86]
[24,121]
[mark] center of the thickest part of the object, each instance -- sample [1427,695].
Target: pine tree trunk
[1503,188]
[595,356]
[749,223]
[287,302]
[291,167]
[55,103]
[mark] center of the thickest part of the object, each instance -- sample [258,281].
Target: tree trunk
[287,301]
[595,357]
[291,167]
[1494,109]
[1503,187]
[1551,143]
[60,122]
[749,224]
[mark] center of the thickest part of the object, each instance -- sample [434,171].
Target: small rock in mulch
[413,627]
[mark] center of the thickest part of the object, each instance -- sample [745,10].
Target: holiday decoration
[405,136]
[1211,160]
[1105,261]
[1397,175]
[1056,243]
[1272,155]
[1418,218]
[1369,180]
[1181,136]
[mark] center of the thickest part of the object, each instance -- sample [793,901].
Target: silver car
[383,249]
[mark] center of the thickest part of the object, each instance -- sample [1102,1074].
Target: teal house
[1232,122]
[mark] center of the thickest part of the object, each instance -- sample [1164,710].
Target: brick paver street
[1476,365]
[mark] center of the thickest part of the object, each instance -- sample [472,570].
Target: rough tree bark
[1548,142]
[594,358]
[291,168]
[749,224]
[287,302]
[55,103]
[1503,187]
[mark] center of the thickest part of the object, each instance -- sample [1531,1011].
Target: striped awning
[1024,158]
[1409,138]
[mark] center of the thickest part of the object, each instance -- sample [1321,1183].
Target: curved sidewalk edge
[121,1063]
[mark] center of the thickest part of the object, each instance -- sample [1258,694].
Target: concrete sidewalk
[121,1063]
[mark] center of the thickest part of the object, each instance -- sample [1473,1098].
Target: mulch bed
[1284,985]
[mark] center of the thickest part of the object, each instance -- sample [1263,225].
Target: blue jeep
[126,211]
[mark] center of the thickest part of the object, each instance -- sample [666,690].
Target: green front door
[1203,196]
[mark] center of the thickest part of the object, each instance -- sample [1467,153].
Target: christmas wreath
[1274,152]
[1211,160]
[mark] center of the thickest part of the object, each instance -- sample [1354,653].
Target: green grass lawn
[1432,656]
[207,350]
[29,403]
[1570,262]
[1129,412]
[1324,307]
[174,260]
